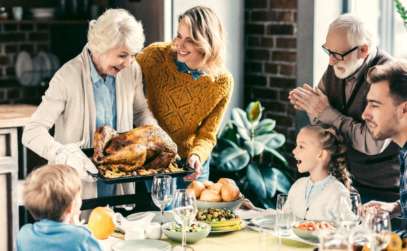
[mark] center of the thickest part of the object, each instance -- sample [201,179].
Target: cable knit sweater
[189,110]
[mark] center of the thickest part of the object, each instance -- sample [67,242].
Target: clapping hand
[312,101]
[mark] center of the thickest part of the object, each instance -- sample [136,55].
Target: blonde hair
[356,31]
[50,190]
[208,36]
[115,27]
[332,142]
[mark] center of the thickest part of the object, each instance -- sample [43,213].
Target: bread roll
[229,192]
[208,183]
[197,187]
[216,187]
[225,181]
[210,195]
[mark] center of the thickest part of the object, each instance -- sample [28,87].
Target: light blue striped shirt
[104,91]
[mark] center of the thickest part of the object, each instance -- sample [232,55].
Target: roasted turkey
[146,146]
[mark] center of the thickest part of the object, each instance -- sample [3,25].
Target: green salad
[195,227]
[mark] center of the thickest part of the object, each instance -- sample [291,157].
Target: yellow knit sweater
[189,110]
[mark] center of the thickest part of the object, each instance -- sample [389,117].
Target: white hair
[115,27]
[356,30]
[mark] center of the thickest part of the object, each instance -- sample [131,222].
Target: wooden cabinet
[12,119]
[8,188]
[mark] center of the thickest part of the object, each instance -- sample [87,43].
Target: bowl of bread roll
[222,194]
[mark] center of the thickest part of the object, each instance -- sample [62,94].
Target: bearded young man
[386,117]
[339,101]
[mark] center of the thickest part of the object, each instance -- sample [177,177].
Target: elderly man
[386,117]
[339,101]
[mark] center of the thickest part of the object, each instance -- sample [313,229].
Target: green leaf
[254,147]
[283,184]
[270,183]
[240,119]
[275,140]
[255,181]
[229,132]
[244,133]
[233,159]
[265,126]
[254,111]
[277,155]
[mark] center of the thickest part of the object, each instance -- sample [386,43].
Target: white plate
[24,68]
[141,245]
[37,70]
[46,65]
[54,61]
[242,226]
[267,222]
[168,217]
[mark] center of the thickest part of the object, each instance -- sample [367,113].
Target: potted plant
[402,11]
[247,151]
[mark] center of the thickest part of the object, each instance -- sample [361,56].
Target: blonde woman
[187,86]
[101,86]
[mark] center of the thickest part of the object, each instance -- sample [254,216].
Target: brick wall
[270,60]
[14,37]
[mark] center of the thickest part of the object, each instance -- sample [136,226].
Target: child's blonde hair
[50,190]
[332,142]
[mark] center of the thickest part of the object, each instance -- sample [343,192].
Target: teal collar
[182,67]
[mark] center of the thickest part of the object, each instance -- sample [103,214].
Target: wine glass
[356,205]
[184,210]
[380,227]
[162,192]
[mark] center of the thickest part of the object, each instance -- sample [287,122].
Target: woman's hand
[195,162]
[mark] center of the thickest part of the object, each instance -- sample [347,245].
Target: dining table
[246,239]
[243,240]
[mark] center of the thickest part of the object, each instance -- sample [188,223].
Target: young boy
[52,194]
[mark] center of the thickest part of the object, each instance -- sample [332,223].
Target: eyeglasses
[338,56]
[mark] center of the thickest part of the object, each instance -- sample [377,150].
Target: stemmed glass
[162,192]
[184,210]
[356,205]
[380,227]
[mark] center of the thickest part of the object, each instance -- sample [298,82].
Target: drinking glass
[281,199]
[333,240]
[359,237]
[284,218]
[162,192]
[380,227]
[184,209]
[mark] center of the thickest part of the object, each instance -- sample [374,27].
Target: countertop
[15,115]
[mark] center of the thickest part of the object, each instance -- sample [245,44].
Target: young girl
[320,153]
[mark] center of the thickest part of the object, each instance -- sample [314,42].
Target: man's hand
[391,207]
[305,98]
[195,162]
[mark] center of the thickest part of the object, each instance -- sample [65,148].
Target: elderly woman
[187,86]
[100,86]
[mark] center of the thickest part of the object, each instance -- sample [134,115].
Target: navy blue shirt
[403,181]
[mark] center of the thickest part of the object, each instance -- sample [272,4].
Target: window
[383,19]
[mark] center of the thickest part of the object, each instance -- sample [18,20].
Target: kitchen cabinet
[12,119]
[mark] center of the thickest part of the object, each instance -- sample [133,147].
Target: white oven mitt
[72,155]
